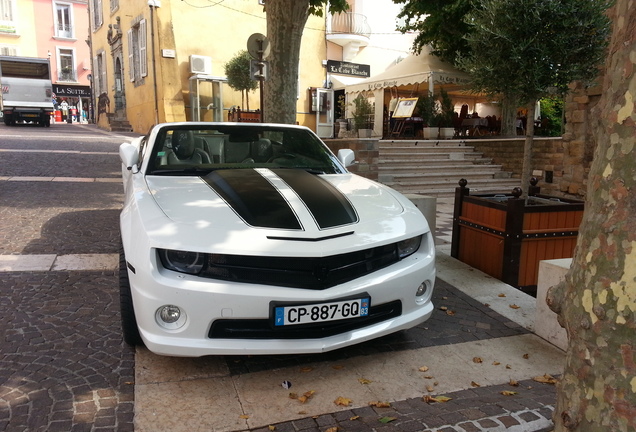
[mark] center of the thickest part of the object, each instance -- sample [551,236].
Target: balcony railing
[350,23]
[66,76]
[64,30]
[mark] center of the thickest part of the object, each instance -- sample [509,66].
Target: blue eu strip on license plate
[315,313]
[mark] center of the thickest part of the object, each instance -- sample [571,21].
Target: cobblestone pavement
[63,366]
[473,410]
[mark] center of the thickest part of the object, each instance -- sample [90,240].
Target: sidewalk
[476,350]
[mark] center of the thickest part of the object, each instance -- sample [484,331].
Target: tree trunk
[509,107]
[285,23]
[597,301]
[526,172]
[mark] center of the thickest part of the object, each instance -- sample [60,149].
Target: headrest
[183,143]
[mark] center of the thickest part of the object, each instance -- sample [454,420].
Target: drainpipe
[154,4]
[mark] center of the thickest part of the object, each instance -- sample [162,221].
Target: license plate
[321,312]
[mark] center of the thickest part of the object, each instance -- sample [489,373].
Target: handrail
[350,23]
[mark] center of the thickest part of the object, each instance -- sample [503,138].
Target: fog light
[423,292]
[170,317]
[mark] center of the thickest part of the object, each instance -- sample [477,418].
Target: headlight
[182,261]
[409,246]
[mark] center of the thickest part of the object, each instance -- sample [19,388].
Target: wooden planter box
[506,238]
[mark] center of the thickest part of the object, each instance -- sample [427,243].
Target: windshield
[195,149]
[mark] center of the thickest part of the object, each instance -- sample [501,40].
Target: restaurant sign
[346,68]
[71,90]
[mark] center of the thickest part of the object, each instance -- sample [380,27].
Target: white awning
[414,70]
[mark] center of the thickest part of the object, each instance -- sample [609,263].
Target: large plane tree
[597,301]
[286,20]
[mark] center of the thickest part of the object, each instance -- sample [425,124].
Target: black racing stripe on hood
[253,198]
[328,205]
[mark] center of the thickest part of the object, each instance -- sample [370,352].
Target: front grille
[264,328]
[294,272]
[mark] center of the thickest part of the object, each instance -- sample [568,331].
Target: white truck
[27,90]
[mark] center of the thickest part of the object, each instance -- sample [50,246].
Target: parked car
[243,238]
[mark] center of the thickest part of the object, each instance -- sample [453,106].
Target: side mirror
[129,155]
[346,157]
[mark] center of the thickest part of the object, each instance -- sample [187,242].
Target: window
[114,5]
[137,58]
[8,50]
[7,20]
[96,14]
[66,65]
[63,20]
[100,83]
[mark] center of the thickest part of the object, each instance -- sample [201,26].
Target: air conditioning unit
[200,64]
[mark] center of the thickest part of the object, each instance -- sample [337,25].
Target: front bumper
[206,301]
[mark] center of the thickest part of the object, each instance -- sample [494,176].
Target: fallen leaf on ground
[354,418]
[306,396]
[337,367]
[387,419]
[272,428]
[526,356]
[364,381]
[513,383]
[474,384]
[508,393]
[423,369]
[514,306]
[307,369]
[508,367]
[443,308]
[333,429]
[450,312]
[477,360]
[379,404]
[496,363]
[293,395]
[545,379]
[430,389]
[428,376]
[244,416]
[502,295]
[342,401]
[441,399]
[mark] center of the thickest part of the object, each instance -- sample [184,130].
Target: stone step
[424,150]
[440,170]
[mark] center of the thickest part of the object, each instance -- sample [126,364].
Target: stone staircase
[434,168]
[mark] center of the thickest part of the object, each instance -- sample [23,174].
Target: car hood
[248,204]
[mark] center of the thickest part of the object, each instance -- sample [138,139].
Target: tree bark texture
[597,301]
[285,23]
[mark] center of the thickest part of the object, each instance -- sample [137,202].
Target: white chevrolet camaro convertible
[242,238]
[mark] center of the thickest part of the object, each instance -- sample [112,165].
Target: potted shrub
[341,121]
[426,107]
[362,112]
[446,116]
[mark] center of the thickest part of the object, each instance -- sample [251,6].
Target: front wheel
[129,327]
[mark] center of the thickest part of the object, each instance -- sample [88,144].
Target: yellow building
[163,60]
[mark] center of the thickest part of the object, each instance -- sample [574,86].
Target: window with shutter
[143,60]
[131,56]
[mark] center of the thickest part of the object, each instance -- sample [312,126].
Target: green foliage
[551,117]
[335,6]
[426,107]
[238,74]
[439,24]
[531,48]
[362,111]
[447,110]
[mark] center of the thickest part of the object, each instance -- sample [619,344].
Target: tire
[129,328]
